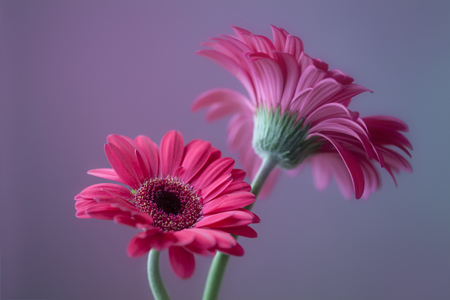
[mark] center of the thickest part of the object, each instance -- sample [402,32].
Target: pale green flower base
[282,136]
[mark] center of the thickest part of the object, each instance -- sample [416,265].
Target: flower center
[171,203]
[168,202]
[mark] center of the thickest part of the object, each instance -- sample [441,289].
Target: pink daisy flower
[187,199]
[297,113]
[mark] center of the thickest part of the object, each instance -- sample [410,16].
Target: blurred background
[73,72]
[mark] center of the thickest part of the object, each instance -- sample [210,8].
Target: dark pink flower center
[171,203]
[168,202]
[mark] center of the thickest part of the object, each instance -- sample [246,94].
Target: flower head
[185,198]
[297,112]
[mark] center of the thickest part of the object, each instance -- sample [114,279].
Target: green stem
[220,261]
[154,276]
[267,166]
[215,276]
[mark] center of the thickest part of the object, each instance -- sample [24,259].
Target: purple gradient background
[74,72]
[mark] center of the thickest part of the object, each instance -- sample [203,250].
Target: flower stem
[267,166]
[220,261]
[215,276]
[154,276]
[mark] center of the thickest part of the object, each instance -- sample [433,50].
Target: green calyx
[282,137]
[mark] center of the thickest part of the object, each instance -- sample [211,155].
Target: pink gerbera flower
[297,112]
[188,199]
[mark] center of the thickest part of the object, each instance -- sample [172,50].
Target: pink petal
[383,130]
[239,132]
[304,61]
[291,75]
[343,179]
[231,47]
[128,147]
[351,163]
[236,250]
[230,65]
[238,174]
[240,32]
[326,111]
[201,239]
[222,239]
[248,158]
[225,97]
[393,159]
[181,261]
[214,156]
[172,149]
[112,193]
[214,171]
[153,238]
[81,206]
[106,173]
[124,143]
[387,121]
[341,131]
[349,91]
[142,220]
[184,237]
[294,46]
[213,190]
[143,166]
[262,44]
[227,63]
[389,137]
[98,191]
[200,251]
[299,98]
[139,246]
[321,92]
[125,220]
[104,212]
[310,77]
[162,240]
[279,38]
[229,202]
[324,166]
[123,165]
[320,167]
[234,218]
[220,110]
[81,203]
[271,76]
[196,153]
[244,231]
[320,64]
[372,179]
[150,151]
[237,186]
[207,221]
[340,76]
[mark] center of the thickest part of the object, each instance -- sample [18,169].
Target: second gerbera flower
[297,111]
[185,198]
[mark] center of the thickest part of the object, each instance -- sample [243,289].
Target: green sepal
[282,136]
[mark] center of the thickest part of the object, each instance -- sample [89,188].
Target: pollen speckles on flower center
[171,203]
